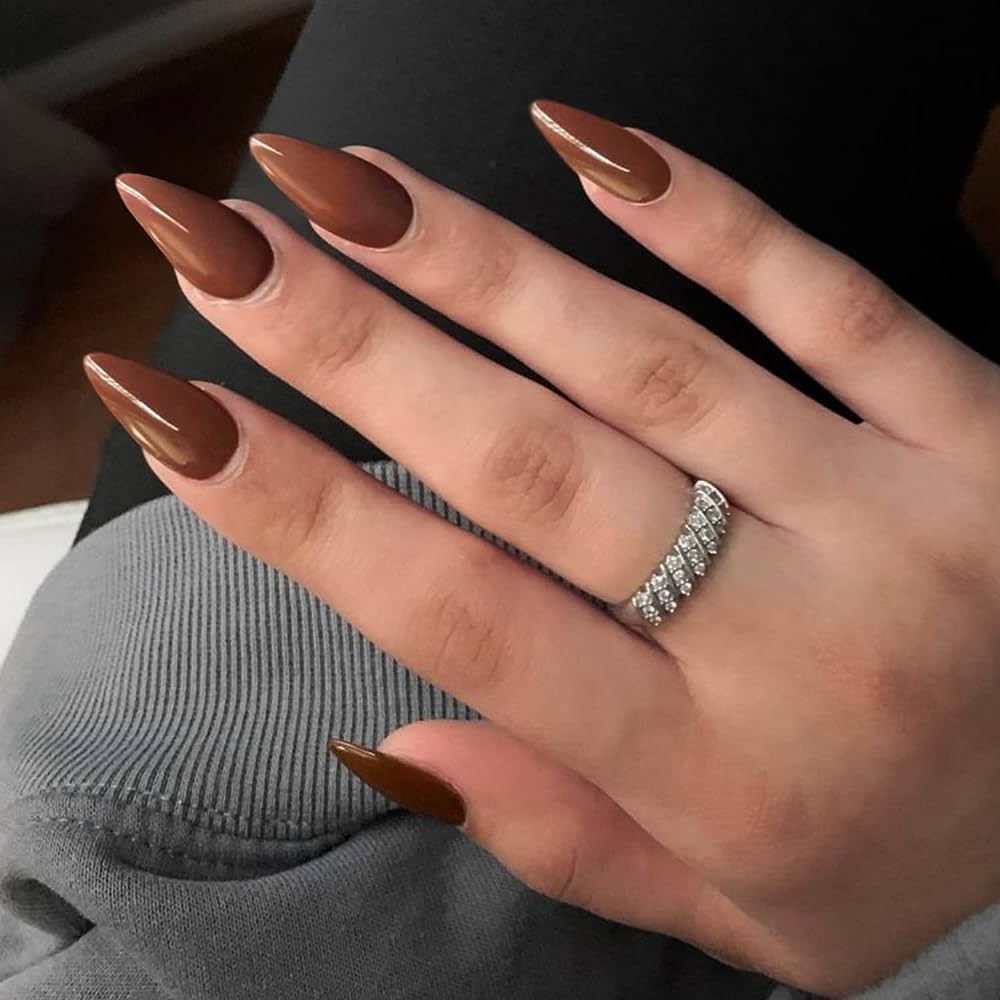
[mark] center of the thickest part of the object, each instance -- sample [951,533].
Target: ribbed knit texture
[225,681]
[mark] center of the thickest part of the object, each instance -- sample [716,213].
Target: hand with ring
[774,732]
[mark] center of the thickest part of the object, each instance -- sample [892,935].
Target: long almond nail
[603,152]
[343,194]
[177,423]
[215,248]
[410,786]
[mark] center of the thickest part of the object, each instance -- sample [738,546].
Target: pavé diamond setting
[698,542]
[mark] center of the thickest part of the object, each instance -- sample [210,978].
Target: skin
[798,770]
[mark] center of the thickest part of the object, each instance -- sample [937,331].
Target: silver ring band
[676,576]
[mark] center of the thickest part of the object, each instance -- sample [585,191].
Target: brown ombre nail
[410,786]
[214,247]
[177,423]
[603,152]
[344,194]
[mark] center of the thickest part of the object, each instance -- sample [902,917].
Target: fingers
[634,363]
[506,639]
[585,500]
[522,461]
[892,365]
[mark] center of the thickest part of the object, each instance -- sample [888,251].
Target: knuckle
[665,385]
[459,633]
[307,524]
[353,340]
[729,244]
[556,870]
[865,311]
[487,274]
[535,470]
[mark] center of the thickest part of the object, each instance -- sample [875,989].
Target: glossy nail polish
[214,247]
[177,423]
[344,194]
[603,152]
[410,786]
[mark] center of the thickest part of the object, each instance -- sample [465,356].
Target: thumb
[555,831]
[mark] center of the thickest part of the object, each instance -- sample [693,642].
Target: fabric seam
[139,841]
[166,806]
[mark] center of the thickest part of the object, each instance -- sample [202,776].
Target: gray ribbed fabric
[204,684]
[171,825]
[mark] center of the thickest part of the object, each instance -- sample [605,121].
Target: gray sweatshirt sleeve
[171,825]
[963,965]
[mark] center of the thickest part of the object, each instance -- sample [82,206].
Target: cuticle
[413,230]
[644,136]
[237,461]
[265,290]
[659,197]
[234,467]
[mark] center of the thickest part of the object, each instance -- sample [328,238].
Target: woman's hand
[798,770]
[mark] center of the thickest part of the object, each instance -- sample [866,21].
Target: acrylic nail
[603,152]
[340,192]
[406,784]
[215,248]
[177,423]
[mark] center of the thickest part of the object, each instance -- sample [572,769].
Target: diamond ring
[675,577]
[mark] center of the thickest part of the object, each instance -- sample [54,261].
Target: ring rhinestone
[688,559]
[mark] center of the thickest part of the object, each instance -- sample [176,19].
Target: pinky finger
[555,831]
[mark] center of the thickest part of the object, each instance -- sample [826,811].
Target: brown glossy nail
[412,787]
[603,152]
[177,423]
[344,194]
[214,247]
